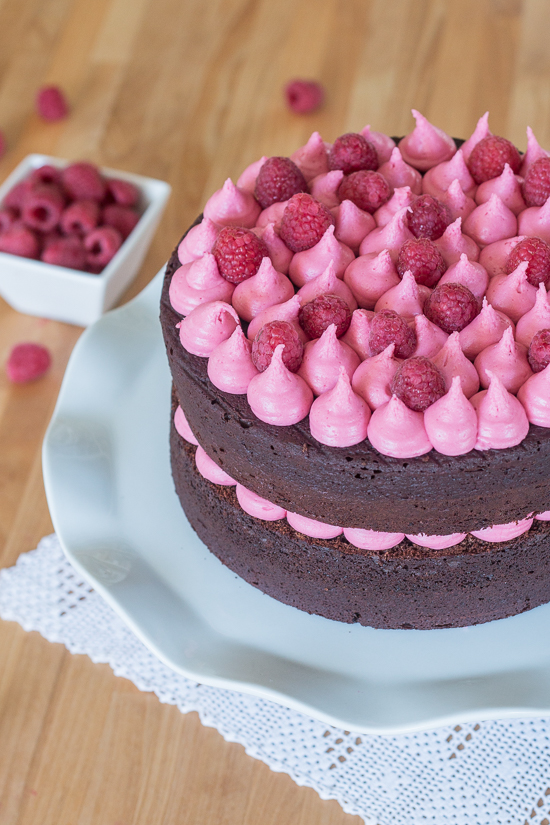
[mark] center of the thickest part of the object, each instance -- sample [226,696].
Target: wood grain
[190,92]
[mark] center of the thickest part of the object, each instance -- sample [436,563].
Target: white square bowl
[63,294]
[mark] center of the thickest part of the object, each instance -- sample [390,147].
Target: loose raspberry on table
[20,240]
[423,259]
[315,316]
[278,180]
[83,181]
[536,186]
[122,192]
[418,383]
[80,217]
[27,362]
[102,244]
[387,328]
[451,307]
[269,337]
[489,157]
[537,253]
[42,207]
[304,222]
[352,152]
[238,253]
[122,218]
[538,354]
[428,218]
[51,103]
[304,96]
[366,189]
[68,252]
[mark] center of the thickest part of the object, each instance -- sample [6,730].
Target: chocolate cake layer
[405,587]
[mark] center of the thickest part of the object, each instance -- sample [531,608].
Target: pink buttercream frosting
[288,311]
[535,221]
[207,326]
[458,203]
[198,282]
[383,144]
[453,243]
[339,417]
[308,264]
[512,294]
[230,366]
[278,396]
[352,224]
[182,426]
[312,158]
[494,256]
[278,251]
[401,198]
[535,397]
[397,431]
[507,359]
[534,152]
[451,422]
[481,131]
[391,237]
[324,188]
[199,240]
[484,330]
[398,173]
[426,145]
[502,421]
[507,186]
[437,180]
[357,336]
[312,527]
[371,380]
[537,318]
[452,362]
[490,222]
[231,206]
[264,289]
[247,180]
[504,532]
[407,298]
[258,507]
[327,284]
[468,273]
[323,359]
[370,277]
[272,214]
[210,470]
[437,542]
[430,338]
[372,539]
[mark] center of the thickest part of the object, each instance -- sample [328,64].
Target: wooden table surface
[190,91]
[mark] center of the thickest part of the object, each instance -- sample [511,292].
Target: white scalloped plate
[110,492]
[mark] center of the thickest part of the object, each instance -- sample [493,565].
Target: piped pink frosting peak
[534,152]
[437,180]
[198,282]
[392,236]
[451,422]
[199,240]
[182,427]
[352,224]
[512,294]
[323,359]
[430,338]
[308,264]
[231,206]
[455,199]
[537,318]
[339,417]
[481,131]
[535,398]
[468,273]
[312,158]
[383,144]
[501,419]
[504,532]
[507,187]
[207,326]
[279,252]
[452,362]
[397,431]
[288,311]
[437,542]
[491,221]
[407,298]
[401,198]
[357,336]
[426,145]
[258,507]
[545,516]
[327,284]
[247,180]
[372,539]
[453,243]
[230,366]
[264,289]
[370,277]
[272,214]
[371,380]
[398,173]
[312,527]
[278,396]
[209,470]
[535,221]
[494,256]
[324,188]
[486,329]
[506,359]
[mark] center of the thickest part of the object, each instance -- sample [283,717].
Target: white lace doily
[493,773]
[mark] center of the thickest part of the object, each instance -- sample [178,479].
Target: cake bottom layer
[405,587]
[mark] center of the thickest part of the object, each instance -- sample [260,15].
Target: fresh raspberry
[68,252]
[101,245]
[17,194]
[387,328]
[418,383]
[45,174]
[315,316]
[278,180]
[8,217]
[3,144]
[304,222]
[537,253]
[27,362]
[368,190]
[490,155]
[20,240]
[238,253]
[122,218]
[451,307]
[80,217]
[304,96]
[122,192]
[538,354]
[51,103]
[351,152]
[423,259]
[428,218]
[270,336]
[536,186]
[42,208]
[83,181]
